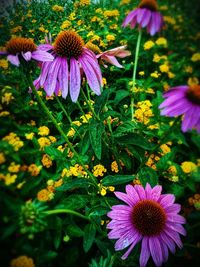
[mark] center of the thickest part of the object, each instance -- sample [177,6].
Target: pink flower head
[71,58]
[183,100]
[20,48]
[149,217]
[110,55]
[146,15]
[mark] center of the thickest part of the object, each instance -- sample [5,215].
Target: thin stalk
[90,106]
[82,111]
[134,72]
[68,116]
[60,130]
[58,211]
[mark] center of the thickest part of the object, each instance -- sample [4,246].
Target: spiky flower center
[193,94]
[148,217]
[149,4]
[68,44]
[19,44]
[94,48]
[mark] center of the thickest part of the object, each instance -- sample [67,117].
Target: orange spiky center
[149,4]
[148,217]
[19,44]
[68,44]
[193,94]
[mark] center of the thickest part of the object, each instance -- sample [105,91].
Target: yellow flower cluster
[4,64]
[195,57]
[46,161]
[43,130]
[99,170]
[7,98]
[14,168]
[22,261]
[14,141]
[110,37]
[84,2]
[76,170]
[148,45]
[161,41]
[188,166]
[169,20]
[86,117]
[155,74]
[2,158]
[143,111]
[57,8]
[29,136]
[34,170]
[103,189]
[173,174]
[195,201]
[114,166]
[66,24]
[47,194]
[152,160]
[8,178]
[157,58]
[111,13]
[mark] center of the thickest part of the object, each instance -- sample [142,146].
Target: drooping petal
[14,60]
[146,18]
[41,55]
[64,77]
[52,76]
[129,17]
[156,251]
[112,60]
[125,198]
[75,79]
[27,56]
[45,47]
[136,239]
[145,252]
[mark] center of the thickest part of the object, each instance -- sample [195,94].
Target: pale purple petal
[52,76]
[176,218]
[145,252]
[172,99]
[174,236]
[156,192]
[27,55]
[146,18]
[155,249]
[112,60]
[14,60]
[175,208]
[44,72]
[45,47]
[141,12]
[75,79]
[41,55]
[64,77]
[168,241]
[125,198]
[140,191]
[176,227]
[132,193]
[3,53]
[129,17]
[135,240]
[166,200]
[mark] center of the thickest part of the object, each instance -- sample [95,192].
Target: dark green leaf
[75,183]
[89,236]
[96,129]
[117,179]
[148,175]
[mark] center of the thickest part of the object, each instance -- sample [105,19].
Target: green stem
[134,72]
[68,117]
[90,106]
[58,211]
[51,117]
[82,111]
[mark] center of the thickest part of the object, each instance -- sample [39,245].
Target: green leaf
[75,201]
[85,144]
[75,230]
[58,232]
[96,129]
[148,175]
[124,128]
[177,190]
[89,236]
[134,139]
[117,179]
[54,153]
[163,163]
[120,95]
[75,183]
[101,101]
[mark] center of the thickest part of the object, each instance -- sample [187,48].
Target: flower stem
[134,72]
[58,211]
[90,106]
[51,117]
[68,116]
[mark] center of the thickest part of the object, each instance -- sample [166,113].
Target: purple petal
[129,17]
[152,25]
[166,200]
[140,191]
[175,208]
[117,232]
[176,218]
[14,60]
[112,60]
[156,192]
[148,191]
[145,252]
[136,239]
[156,251]
[176,227]
[52,76]
[140,14]
[122,215]
[75,79]
[165,252]
[64,77]
[146,18]
[131,191]
[125,198]
[190,119]
[174,236]
[27,56]
[45,47]
[42,56]
[3,53]
[168,241]
[172,99]
[44,72]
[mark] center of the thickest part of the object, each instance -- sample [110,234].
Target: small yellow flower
[22,261]
[43,195]
[99,170]
[4,64]
[57,8]
[188,166]
[2,158]
[161,41]
[46,161]
[114,167]
[164,68]
[29,136]
[34,170]
[110,37]
[44,141]
[71,132]
[193,81]
[43,130]
[14,167]
[148,45]
[141,73]
[7,98]
[195,57]
[155,74]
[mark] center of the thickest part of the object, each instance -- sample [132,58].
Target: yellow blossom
[66,24]
[44,141]
[164,68]
[29,136]
[161,41]
[72,16]
[193,81]
[16,29]
[43,195]
[114,166]
[2,158]
[110,37]
[84,2]
[169,20]
[14,167]
[172,169]
[71,132]
[46,161]
[7,98]
[111,13]
[165,149]
[141,73]
[85,118]
[43,130]
[155,74]
[195,57]
[10,178]
[34,170]
[99,170]
[148,45]
[103,189]
[22,261]
[188,166]
[52,139]
[4,64]
[14,141]
[157,58]
[57,8]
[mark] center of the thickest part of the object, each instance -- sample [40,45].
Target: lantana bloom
[149,217]
[20,48]
[71,60]
[183,100]
[146,15]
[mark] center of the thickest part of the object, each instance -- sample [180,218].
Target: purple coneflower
[183,100]
[20,48]
[146,15]
[150,217]
[71,58]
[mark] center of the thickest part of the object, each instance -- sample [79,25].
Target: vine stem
[134,72]
[60,130]
[58,211]
[68,116]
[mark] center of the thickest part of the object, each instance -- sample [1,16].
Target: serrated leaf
[148,175]
[124,128]
[117,179]
[89,236]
